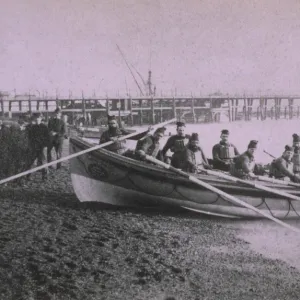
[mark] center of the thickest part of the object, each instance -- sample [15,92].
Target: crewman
[296,155]
[243,165]
[282,167]
[176,143]
[113,133]
[150,145]
[192,159]
[57,130]
[39,139]
[224,152]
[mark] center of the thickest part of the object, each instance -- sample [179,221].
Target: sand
[53,247]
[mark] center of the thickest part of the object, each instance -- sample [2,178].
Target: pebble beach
[53,247]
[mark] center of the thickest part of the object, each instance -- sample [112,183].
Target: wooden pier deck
[151,110]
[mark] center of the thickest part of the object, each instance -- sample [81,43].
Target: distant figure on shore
[296,155]
[243,166]
[192,159]
[283,168]
[224,152]
[113,133]
[39,139]
[150,145]
[176,143]
[57,129]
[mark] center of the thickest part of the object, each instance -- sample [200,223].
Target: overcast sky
[197,46]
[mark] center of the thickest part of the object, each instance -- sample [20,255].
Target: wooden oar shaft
[254,185]
[81,153]
[269,154]
[220,193]
[273,180]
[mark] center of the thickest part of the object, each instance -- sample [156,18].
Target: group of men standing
[189,156]
[31,139]
[43,138]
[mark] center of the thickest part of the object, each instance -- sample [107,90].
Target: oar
[273,180]
[228,197]
[252,184]
[82,152]
[269,154]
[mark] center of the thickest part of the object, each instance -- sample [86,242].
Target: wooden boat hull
[106,177]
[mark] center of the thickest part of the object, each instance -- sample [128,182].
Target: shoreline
[54,247]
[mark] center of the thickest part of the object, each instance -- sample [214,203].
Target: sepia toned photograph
[149,150]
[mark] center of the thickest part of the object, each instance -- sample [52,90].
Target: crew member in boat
[57,129]
[176,143]
[243,166]
[192,159]
[283,167]
[113,133]
[224,152]
[150,145]
[296,155]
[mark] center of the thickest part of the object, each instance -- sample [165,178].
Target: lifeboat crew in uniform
[243,165]
[113,133]
[192,159]
[176,143]
[150,145]
[224,152]
[296,156]
[282,167]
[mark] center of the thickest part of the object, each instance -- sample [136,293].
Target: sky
[193,46]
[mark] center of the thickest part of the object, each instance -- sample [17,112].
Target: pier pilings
[152,110]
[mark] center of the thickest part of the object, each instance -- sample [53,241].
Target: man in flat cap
[283,168]
[192,159]
[176,143]
[224,152]
[39,139]
[243,165]
[113,133]
[57,129]
[296,155]
[150,145]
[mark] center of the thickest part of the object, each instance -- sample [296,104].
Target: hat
[109,118]
[194,137]
[180,124]
[225,131]
[296,138]
[252,144]
[288,148]
[160,130]
[57,110]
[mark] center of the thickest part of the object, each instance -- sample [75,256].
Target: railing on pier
[151,110]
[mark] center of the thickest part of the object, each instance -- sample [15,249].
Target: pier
[152,110]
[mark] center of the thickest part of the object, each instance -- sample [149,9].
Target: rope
[191,200]
[130,172]
[152,194]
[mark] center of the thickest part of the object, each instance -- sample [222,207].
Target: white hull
[89,189]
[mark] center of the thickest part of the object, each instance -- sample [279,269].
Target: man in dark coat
[192,158]
[296,155]
[224,152]
[176,143]
[39,139]
[243,166]
[283,168]
[113,133]
[57,130]
[150,145]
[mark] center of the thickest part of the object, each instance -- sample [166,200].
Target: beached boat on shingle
[106,177]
